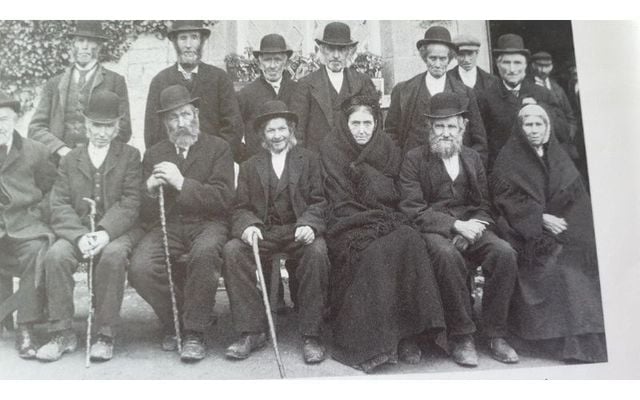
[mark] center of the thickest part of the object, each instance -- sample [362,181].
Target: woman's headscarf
[534,110]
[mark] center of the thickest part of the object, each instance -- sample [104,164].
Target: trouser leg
[60,264]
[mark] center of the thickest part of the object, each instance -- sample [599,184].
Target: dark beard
[185,137]
[445,149]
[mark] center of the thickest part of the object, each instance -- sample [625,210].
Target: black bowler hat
[436,34]
[104,107]
[8,101]
[89,29]
[542,57]
[175,96]
[274,109]
[272,44]
[447,104]
[337,34]
[511,44]
[187,26]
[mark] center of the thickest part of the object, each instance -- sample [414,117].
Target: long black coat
[484,79]
[305,191]
[312,103]
[251,98]
[404,109]
[219,111]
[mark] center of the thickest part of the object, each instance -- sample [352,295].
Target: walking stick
[167,260]
[267,306]
[92,223]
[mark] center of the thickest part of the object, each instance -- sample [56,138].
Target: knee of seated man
[317,248]
[61,253]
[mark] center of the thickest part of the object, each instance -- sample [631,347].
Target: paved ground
[138,354]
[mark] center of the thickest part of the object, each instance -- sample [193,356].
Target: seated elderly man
[195,170]
[26,175]
[107,172]
[444,192]
[280,203]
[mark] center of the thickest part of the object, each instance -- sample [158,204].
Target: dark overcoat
[47,123]
[484,80]
[305,191]
[120,192]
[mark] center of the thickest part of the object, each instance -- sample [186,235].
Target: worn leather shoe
[62,342]
[193,348]
[313,350]
[102,349]
[409,352]
[464,351]
[170,342]
[243,347]
[24,343]
[502,351]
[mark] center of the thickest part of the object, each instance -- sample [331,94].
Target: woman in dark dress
[382,291]
[545,213]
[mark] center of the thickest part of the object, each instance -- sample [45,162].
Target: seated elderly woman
[383,293]
[545,213]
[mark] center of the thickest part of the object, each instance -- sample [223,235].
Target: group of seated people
[381,236]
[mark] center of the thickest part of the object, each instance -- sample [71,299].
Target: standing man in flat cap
[26,176]
[406,122]
[500,103]
[279,202]
[58,121]
[467,70]
[195,170]
[110,173]
[321,93]
[274,83]
[219,111]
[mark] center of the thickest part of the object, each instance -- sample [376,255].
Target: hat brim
[203,31]
[446,113]
[348,44]
[524,52]
[423,42]
[13,104]
[288,115]
[102,120]
[89,35]
[468,47]
[273,51]
[195,101]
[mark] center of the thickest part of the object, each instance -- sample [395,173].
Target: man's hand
[248,234]
[471,230]
[62,151]
[153,183]
[169,173]
[92,243]
[304,234]
[554,224]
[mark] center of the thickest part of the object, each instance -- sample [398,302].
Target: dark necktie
[3,154]
[82,80]
[515,92]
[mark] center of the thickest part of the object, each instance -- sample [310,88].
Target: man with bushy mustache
[219,111]
[444,192]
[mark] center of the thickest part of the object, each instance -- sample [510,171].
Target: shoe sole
[236,356]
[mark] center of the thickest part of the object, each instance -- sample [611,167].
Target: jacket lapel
[472,174]
[113,157]
[63,88]
[13,153]
[83,163]
[320,92]
[294,169]
[262,166]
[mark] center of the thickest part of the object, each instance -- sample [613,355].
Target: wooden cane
[167,260]
[267,306]
[92,223]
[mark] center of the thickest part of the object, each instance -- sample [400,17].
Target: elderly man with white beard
[196,172]
[444,192]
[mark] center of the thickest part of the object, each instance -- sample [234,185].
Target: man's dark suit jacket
[484,80]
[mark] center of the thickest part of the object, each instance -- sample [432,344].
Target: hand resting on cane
[92,243]
[248,234]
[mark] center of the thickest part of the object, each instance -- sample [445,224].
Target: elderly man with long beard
[196,171]
[444,192]
[220,113]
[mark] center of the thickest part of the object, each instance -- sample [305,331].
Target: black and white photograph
[295,198]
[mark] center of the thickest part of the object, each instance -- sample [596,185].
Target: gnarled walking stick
[167,260]
[267,306]
[92,223]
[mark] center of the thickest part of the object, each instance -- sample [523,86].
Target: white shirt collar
[452,164]
[9,142]
[278,160]
[89,68]
[188,75]
[509,88]
[336,79]
[469,78]
[435,85]
[542,82]
[97,155]
[277,85]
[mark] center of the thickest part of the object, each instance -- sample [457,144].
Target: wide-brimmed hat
[542,57]
[187,26]
[511,44]
[272,44]
[337,34]
[8,101]
[175,96]
[104,107]
[466,42]
[89,29]
[274,109]
[436,34]
[447,104]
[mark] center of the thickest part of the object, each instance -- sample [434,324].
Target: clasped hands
[302,234]
[92,243]
[165,173]
[470,230]
[554,224]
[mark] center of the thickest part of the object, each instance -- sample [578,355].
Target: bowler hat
[274,109]
[103,107]
[8,101]
[511,44]
[542,57]
[447,104]
[187,26]
[89,29]
[436,34]
[466,42]
[175,96]
[337,34]
[272,43]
